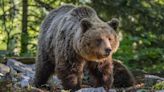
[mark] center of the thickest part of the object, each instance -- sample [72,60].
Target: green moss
[159,86]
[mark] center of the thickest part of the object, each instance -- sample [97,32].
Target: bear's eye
[109,39]
[98,41]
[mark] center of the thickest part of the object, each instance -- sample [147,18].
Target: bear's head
[96,41]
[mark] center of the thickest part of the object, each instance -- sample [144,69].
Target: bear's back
[83,12]
[76,13]
[54,14]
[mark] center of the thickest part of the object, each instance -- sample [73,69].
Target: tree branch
[45,5]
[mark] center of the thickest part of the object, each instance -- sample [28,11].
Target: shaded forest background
[141,28]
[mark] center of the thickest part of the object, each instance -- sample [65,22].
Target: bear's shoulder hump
[83,12]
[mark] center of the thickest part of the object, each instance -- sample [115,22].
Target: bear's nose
[107,51]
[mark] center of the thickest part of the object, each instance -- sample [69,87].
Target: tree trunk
[24,35]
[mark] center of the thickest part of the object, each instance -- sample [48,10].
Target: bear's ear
[114,23]
[85,25]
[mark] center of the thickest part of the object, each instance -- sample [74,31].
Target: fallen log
[24,60]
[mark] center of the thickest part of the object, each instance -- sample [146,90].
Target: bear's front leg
[71,82]
[44,69]
[102,73]
[106,68]
[71,76]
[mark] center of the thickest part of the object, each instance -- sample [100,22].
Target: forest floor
[17,77]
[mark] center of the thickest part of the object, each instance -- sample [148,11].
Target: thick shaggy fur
[70,38]
[122,76]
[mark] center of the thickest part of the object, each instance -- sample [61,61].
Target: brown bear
[70,38]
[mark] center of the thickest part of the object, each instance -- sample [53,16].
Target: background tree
[24,34]
[8,37]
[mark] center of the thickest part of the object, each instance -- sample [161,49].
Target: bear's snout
[107,51]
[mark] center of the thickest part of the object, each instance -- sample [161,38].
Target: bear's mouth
[96,57]
[100,56]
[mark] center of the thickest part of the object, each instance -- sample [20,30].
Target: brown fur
[70,38]
[121,76]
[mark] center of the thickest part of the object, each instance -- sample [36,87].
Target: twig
[134,87]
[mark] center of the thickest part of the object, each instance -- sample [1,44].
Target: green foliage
[134,52]
[159,86]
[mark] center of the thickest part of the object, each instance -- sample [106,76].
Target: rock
[21,73]
[13,74]
[142,90]
[4,69]
[30,74]
[99,89]
[160,91]
[150,80]
[1,74]
[26,79]
[18,66]
[24,83]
